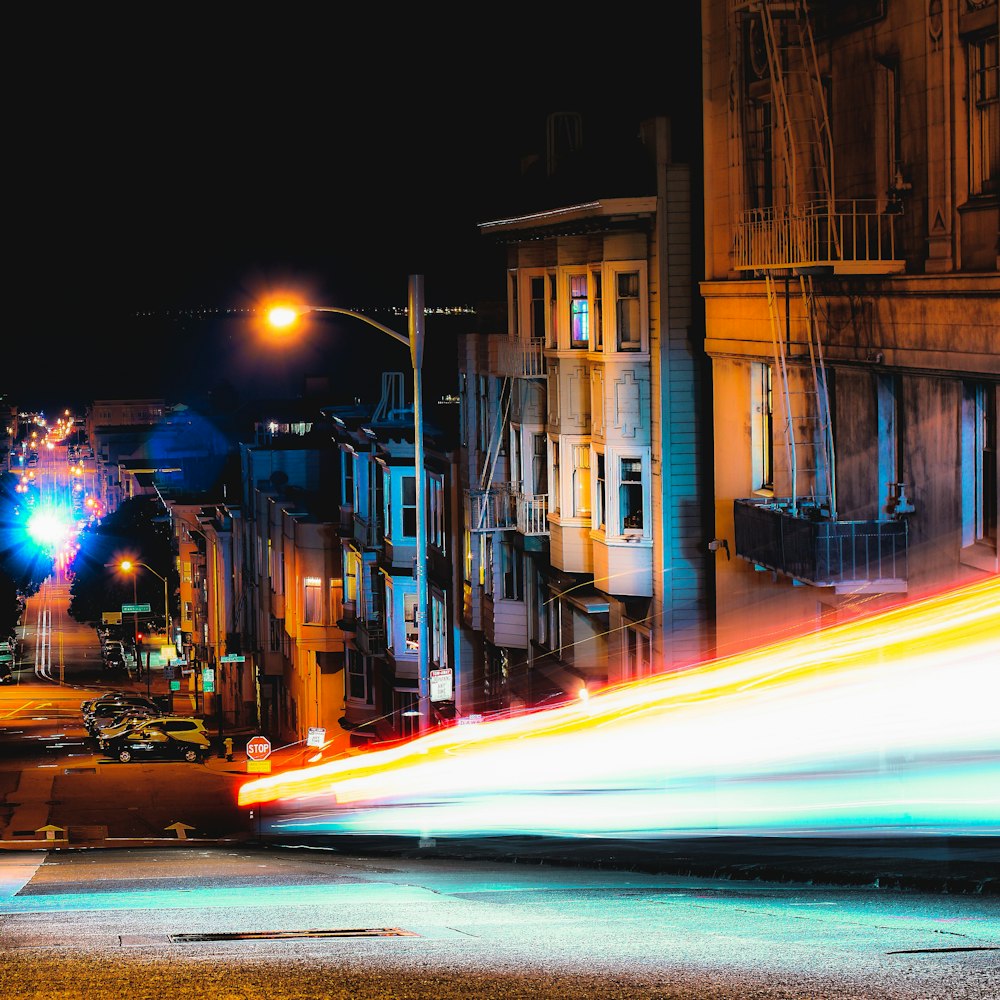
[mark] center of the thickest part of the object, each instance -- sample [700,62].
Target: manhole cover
[354,932]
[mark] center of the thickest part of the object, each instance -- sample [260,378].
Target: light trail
[886,724]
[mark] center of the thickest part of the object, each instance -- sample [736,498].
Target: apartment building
[852,154]
[378,512]
[586,546]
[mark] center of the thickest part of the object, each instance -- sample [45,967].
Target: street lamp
[128,566]
[283,316]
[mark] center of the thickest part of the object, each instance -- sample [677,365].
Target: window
[979,465]
[638,653]
[359,686]
[581,480]
[553,313]
[630,495]
[486,562]
[336,602]
[352,569]
[390,616]
[511,569]
[515,457]
[483,412]
[579,317]
[600,498]
[346,478]
[762,427]
[312,606]
[387,503]
[596,320]
[984,116]
[439,631]
[887,152]
[409,488]
[759,153]
[537,306]
[539,469]
[514,318]
[467,546]
[410,622]
[890,443]
[554,475]
[627,311]
[435,512]
[463,402]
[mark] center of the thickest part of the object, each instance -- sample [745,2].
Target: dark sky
[160,169]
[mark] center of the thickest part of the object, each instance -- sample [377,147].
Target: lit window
[579,317]
[312,609]
[581,480]
[984,116]
[435,512]
[630,495]
[410,622]
[514,318]
[553,313]
[627,311]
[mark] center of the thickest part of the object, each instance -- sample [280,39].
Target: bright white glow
[50,527]
[282,316]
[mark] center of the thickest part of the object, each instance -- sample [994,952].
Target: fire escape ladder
[826,480]
[808,431]
[490,508]
[802,123]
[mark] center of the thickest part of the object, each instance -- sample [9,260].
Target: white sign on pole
[442,688]
[317,736]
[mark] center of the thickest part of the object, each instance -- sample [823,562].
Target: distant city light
[282,316]
[50,528]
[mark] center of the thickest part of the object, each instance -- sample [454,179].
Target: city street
[317,924]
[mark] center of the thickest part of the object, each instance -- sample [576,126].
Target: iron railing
[491,509]
[532,513]
[812,235]
[821,552]
[522,358]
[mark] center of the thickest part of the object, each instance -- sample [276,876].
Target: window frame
[578,310]
[984,113]
[614,270]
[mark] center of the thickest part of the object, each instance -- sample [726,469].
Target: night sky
[164,172]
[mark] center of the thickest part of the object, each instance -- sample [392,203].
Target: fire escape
[796,228]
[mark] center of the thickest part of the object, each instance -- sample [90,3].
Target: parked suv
[168,737]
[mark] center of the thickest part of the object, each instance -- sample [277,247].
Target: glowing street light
[128,566]
[282,317]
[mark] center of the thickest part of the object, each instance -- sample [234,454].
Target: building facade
[851,291]
[585,558]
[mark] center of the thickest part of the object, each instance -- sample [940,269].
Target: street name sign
[258,748]
[135,609]
[232,658]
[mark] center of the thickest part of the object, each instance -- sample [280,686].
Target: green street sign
[175,685]
[208,687]
[135,609]
[232,658]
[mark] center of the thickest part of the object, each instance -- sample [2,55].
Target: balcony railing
[848,555]
[532,513]
[854,237]
[491,510]
[367,531]
[522,358]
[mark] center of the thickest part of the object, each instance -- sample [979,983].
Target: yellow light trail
[887,722]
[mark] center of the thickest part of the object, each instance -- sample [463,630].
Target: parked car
[176,724]
[111,699]
[170,738]
[6,673]
[106,715]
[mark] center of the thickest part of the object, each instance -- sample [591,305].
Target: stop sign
[258,748]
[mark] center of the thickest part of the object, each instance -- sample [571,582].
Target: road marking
[16,710]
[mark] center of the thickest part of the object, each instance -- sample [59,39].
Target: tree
[137,530]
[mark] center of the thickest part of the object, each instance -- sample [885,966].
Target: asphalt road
[114,923]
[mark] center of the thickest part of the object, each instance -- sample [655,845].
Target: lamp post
[415,341]
[128,565]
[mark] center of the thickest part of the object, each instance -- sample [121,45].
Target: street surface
[85,923]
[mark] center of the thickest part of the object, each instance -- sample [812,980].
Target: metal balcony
[852,238]
[491,509]
[532,513]
[851,556]
[522,358]
[367,531]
